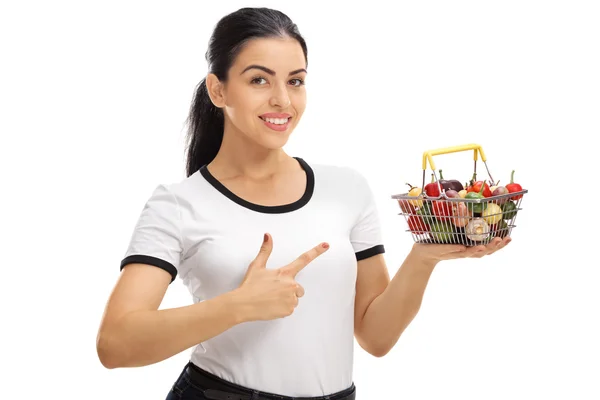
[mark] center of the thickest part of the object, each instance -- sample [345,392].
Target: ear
[215,90]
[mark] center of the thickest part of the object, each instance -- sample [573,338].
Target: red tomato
[476,187]
[514,187]
[442,209]
[416,224]
[406,207]
[432,189]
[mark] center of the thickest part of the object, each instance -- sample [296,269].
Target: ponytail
[205,132]
[232,32]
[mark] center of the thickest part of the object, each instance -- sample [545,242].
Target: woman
[283,257]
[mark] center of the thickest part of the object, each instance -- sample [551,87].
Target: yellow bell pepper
[415,192]
[492,214]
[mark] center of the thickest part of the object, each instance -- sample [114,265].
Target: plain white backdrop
[93,100]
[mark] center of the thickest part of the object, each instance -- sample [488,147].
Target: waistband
[220,389]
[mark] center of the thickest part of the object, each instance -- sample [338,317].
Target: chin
[273,143]
[273,139]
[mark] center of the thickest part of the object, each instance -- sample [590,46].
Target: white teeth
[277,121]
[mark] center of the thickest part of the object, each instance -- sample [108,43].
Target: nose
[280,97]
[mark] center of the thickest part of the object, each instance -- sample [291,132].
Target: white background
[93,101]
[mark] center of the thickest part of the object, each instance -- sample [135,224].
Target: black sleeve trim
[373,251]
[157,262]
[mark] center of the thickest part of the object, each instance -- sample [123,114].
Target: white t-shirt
[198,230]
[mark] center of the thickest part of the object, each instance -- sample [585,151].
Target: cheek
[299,101]
[244,107]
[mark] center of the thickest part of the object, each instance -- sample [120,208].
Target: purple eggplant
[451,184]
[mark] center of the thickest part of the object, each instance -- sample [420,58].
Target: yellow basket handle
[428,155]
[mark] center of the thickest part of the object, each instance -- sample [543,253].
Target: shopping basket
[448,212]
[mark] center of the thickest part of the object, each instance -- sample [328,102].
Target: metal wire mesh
[458,220]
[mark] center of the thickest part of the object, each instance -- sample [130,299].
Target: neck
[241,156]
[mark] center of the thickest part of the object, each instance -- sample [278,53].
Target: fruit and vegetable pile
[446,211]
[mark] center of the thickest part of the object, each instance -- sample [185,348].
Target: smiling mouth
[276,121]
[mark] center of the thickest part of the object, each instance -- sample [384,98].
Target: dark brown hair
[232,32]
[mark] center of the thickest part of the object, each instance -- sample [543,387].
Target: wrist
[422,259]
[238,306]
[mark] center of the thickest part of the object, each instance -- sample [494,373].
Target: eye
[297,82]
[258,80]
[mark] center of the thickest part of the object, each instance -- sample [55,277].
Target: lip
[276,115]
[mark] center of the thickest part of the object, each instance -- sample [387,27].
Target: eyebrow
[270,71]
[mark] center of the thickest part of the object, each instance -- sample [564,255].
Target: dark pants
[195,383]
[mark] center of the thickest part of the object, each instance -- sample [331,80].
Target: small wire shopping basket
[448,212]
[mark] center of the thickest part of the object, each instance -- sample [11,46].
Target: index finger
[306,258]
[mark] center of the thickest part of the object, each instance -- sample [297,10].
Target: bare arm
[134,333]
[385,308]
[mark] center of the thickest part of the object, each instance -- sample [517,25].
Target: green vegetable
[442,232]
[509,210]
[425,213]
[500,229]
[476,207]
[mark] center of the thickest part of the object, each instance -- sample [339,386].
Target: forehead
[279,54]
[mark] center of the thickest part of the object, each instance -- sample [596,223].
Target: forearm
[146,337]
[392,311]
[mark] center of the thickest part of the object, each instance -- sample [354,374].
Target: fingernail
[325,245]
[266,237]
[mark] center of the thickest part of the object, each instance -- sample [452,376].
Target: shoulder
[342,182]
[176,193]
[186,187]
[343,174]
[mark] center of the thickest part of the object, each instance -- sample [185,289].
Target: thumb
[260,261]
